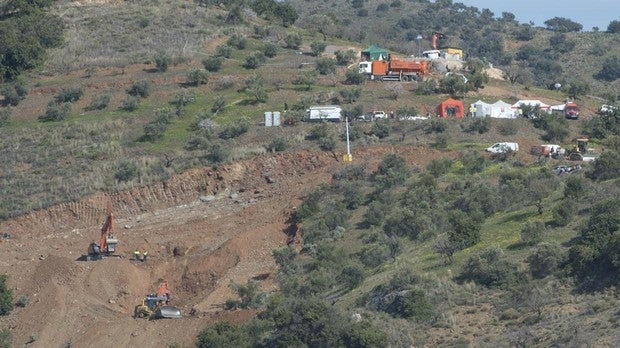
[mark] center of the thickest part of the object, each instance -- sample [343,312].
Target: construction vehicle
[394,69]
[581,152]
[107,243]
[157,305]
[437,36]
[571,110]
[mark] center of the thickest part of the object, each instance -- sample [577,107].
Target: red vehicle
[571,110]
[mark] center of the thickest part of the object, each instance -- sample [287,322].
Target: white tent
[516,106]
[480,109]
[501,109]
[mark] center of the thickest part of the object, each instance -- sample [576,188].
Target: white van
[503,147]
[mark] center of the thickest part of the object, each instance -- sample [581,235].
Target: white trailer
[324,113]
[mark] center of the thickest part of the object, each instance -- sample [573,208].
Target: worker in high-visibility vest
[144,255]
[136,255]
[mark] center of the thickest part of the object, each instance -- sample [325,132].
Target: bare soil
[224,224]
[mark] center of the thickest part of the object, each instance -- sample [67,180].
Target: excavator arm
[437,36]
[107,231]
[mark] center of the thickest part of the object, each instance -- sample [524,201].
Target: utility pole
[348,157]
[419,39]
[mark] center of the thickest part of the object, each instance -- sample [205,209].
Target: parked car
[503,147]
[379,114]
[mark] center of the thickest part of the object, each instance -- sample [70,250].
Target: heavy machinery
[581,152]
[107,243]
[394,69]
[157,305]
[437,36]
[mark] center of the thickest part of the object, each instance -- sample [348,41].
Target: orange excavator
[157,305]
[107,244]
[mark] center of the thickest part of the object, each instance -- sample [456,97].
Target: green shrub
[278,144]
[546,259]
[218,103]
[317,47]
[533,232]
[440,166]
[56,112]
[270,49]
[426,87]
[351,276]
[489,267]
[480,125]
[254,60]
[594,257]
[212,63]
[183,97]
[223,51]
[507,127]
[224,82]
[328,143]
[392,171]
[381,129]
[22,301]
[130,104]
[5,116]
[564,211]
[319,131]
[140,89]
[126,171]
[441,141]
[6,296]
[13,93]
[414,304]
[345,57]
[69,95]
[436,126]
[99,102]
[606,166]
[155,129]
[162,61]
[575,186]
[374,255]
[465,232]
[236,129]
[218,153]
[292,40]
[325,66]
[473,161]
[5,338]
[197,77]
[237,41]
[354,77]
[222,335]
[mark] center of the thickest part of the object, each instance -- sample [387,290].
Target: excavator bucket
[167,312]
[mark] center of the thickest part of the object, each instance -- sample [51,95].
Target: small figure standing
[144,255]
[136,255]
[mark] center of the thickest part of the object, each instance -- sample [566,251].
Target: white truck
[503,147]
[324,113]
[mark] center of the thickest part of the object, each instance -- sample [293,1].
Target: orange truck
[394,69]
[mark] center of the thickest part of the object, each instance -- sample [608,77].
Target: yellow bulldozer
[157,305]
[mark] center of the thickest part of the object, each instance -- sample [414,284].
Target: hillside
[424,239]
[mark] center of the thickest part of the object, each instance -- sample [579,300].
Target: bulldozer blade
[168,312]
